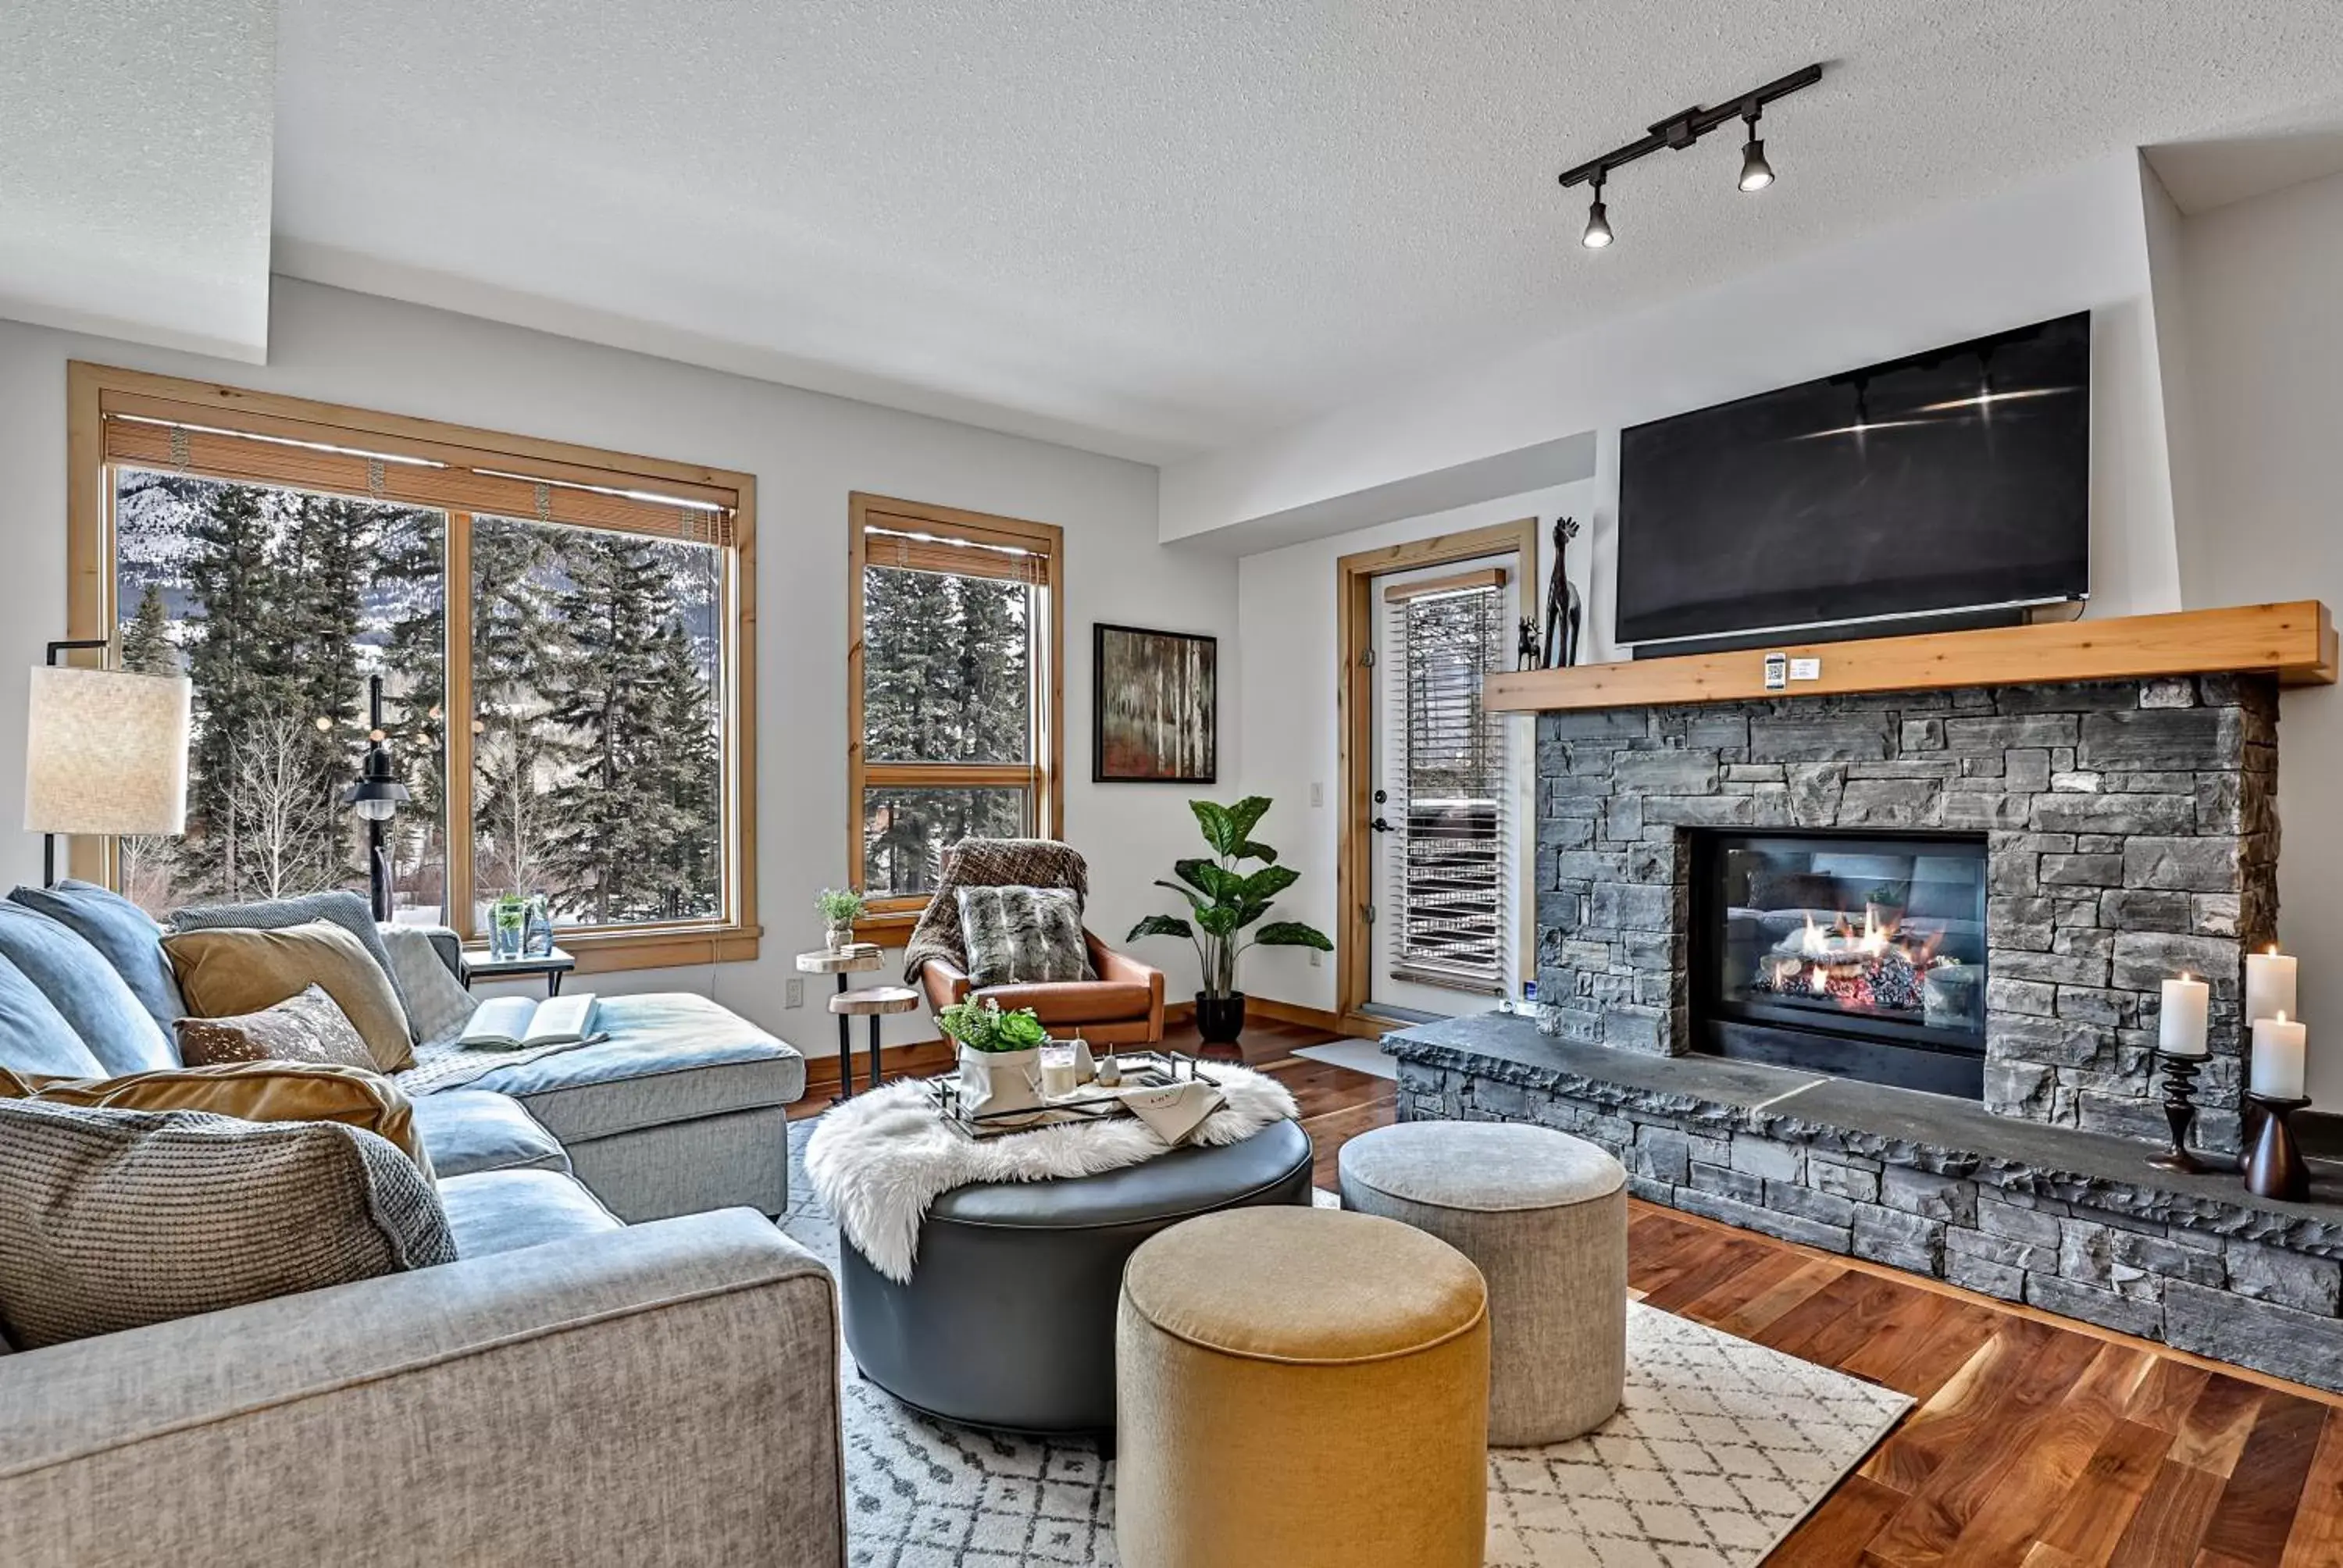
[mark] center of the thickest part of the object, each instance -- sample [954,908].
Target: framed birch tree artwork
[1154,707]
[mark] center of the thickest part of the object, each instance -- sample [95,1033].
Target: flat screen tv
[1950,480]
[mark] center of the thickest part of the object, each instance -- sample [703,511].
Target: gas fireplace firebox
[1862,955]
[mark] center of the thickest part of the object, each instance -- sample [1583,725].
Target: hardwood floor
[2037,1442]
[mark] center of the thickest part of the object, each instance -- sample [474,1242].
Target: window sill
[607,952]
[890,929]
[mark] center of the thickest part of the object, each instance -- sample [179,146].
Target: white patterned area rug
[1720,1448]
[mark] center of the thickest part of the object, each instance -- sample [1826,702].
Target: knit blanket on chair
[880,1158]
[987,863]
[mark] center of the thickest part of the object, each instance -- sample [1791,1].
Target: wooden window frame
[1354,683]
[890,921]
[585,485]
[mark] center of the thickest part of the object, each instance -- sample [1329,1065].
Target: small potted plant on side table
[1225,901]
[839,908]
[999,1056]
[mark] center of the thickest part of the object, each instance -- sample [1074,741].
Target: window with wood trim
[563,635]
[1448,782]
[954,690]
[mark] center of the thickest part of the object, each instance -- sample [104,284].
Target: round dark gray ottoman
[1008,1321]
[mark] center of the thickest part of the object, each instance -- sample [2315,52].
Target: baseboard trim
[1294,1012]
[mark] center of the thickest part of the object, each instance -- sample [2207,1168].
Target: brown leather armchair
[1124,1006]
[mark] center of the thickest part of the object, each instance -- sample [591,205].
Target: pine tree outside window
[954,727]
[586,616]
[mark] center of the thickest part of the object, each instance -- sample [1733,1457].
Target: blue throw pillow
[36,1041]
[344,908]
[127,936]
[81,985]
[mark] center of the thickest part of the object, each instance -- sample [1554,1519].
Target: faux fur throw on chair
[987,863]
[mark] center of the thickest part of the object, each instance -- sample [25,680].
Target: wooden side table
[859,957]
[873,1002]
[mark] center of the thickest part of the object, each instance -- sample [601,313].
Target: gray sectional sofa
[628,1363]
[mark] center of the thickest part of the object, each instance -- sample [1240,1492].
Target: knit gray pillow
[1023,936]
[110,1220]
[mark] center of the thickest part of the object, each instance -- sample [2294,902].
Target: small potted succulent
[839,908]
[999,1056]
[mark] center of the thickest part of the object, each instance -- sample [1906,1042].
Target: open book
[507,1023]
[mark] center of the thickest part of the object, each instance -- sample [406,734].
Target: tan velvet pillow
[248,1091]
[238,970]
[311,1026]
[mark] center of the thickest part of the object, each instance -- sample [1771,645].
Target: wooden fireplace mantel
[2294,641]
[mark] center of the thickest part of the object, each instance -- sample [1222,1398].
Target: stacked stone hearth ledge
[2072,1222]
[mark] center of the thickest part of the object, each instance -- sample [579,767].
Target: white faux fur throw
[881,1158]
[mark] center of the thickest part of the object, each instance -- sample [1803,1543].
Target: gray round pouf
[1543,1215]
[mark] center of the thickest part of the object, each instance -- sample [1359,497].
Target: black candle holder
[2274,1166]
[2180,1111]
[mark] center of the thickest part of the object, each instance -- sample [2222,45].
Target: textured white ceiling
[135,142]
[1154,228]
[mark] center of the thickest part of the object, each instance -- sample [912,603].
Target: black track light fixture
[1683,129]
[1756,173]
[1598,222]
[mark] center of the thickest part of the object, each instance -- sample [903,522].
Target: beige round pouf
[1303,1388]
[1544,1216]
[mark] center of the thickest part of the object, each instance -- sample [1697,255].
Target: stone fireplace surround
[2131,834]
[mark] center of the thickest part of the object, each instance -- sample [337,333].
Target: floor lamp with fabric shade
[106,752]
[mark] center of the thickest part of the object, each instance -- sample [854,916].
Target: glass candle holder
[1059,1077]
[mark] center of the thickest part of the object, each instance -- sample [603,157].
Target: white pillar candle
[2278,1059]
[2180,1022]
[2269,985]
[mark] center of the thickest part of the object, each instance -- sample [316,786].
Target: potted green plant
[507,925]
[1224,902]
[999,1056]
[839,908]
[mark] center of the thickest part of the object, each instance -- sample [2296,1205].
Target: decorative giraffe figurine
[1562,608]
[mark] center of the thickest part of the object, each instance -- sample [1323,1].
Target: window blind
[148,433]
[1451,799]
[970,552]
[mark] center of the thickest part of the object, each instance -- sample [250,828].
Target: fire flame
[1843,960]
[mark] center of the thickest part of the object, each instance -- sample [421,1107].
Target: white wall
[808,451]
[1291,731]
[2265,357]
[2073,242]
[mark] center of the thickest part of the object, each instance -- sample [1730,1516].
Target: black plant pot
[1219,1019]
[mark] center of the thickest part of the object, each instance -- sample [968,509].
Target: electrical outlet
[793,994]
[1317,959]
[1317,793]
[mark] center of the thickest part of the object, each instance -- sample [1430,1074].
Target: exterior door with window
[1447,803]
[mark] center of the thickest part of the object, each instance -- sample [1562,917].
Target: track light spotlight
[1756,173]
[1684,129]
